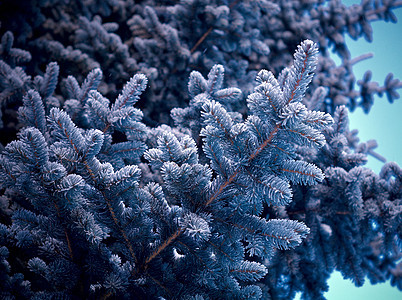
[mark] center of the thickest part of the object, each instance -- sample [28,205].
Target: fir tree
[254,188]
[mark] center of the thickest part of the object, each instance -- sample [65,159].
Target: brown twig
[204,36]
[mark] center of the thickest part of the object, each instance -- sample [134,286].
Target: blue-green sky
[384,124]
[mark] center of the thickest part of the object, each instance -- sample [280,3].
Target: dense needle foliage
[189,150]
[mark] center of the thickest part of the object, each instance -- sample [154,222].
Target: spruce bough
[90,223]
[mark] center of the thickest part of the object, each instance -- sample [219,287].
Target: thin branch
[161,285]
[252,156]
[117,223]
[164,245]
[361,58]
[204,36]
[65,231]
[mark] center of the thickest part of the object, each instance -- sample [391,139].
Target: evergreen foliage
[254,188]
